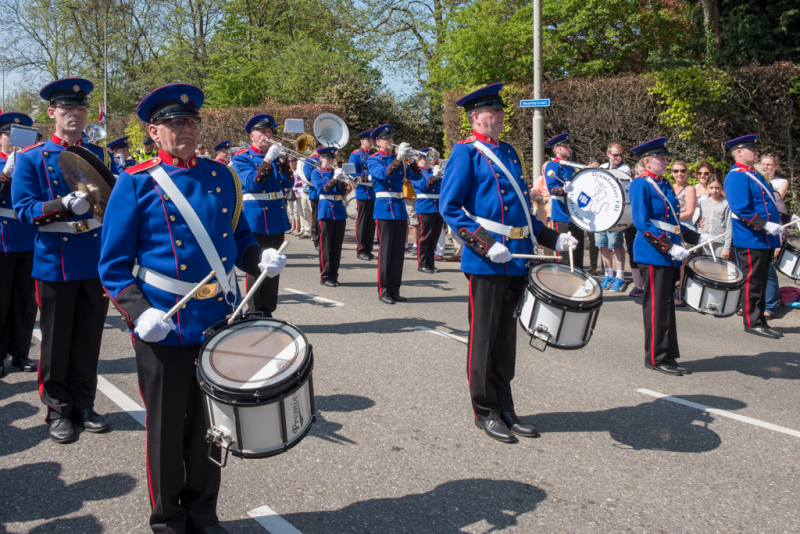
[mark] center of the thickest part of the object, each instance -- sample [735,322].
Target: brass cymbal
[84,172]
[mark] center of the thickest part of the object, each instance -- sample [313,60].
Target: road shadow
[19,439]
[767,365]
[447,509]
[329,430]
[34,492]
[12,389]
[656,425]
[116,322]
[378,326]
[119,366]
[441,285]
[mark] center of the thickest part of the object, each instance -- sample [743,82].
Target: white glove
[337,174]
[774,228]
[274,152]
[403,150]
[76,202]
[498,253]
[566,242]
[795,218]
[678,253]
[151,327]
[568,187]
[9,168]
[705,238]
[272,262]
[437,171]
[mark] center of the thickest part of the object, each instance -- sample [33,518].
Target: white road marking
[120,399]
[313,297]
[37,333]
[460,339]
[275,524]
[721,413]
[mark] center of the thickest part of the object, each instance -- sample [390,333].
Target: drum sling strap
[763,187]
[195,225]
[669,205]
[483,149]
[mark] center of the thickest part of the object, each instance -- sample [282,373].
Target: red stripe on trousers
[378,228]
[747,290]
[652,320]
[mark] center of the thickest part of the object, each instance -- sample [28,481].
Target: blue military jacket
[15,236]
[360,159]
[752,208]
[313,192]
[390,208]
[36,188]
[426,184]
[558,210]
[328,209]
[652,243]
[142,224]
[264,216]
[474,183]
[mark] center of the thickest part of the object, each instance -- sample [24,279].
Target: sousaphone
[330,130]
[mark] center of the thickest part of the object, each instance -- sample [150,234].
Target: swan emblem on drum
[593,202]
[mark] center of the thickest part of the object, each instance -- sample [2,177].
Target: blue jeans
[773,290]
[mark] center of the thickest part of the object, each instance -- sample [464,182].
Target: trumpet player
[313,192]
[264,176]
[427,188]
[365,198]
[331,214]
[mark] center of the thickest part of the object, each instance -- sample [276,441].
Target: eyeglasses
[72,107]
[703,173]
[678,170]
[178,124]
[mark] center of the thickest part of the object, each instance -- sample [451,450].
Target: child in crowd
[716,217]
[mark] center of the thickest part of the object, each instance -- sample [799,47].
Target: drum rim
[704,280]
[790,247]
[625,196]
[576,306]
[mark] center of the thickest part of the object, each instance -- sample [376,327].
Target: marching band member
[178,216]
[149,150]
[757,230]
[365,198]
[658,251]
[121,150]
[264,177]
[489,207]
[71,301]
[313,193]
[388,174]
[17,304]
[559,185]
[332,216]
[427,207]
[223,151]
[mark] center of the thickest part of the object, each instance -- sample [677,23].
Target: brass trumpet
[430,157]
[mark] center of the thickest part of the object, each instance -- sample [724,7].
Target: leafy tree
[760,31]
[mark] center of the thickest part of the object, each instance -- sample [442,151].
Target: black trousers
[630,236]
[331,237]
[577,233]
[492,348]
[754,262]
[365,226]
[430,227]
[183,482]
[265,300]
[72,316]
[658,311]
[314,222]
[391,254]
[17,305]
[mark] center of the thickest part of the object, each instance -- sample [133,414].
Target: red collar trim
[63,142]
[169,159]
[651,175]
[222,161]
[3,155]
[382,153]
[480,137]
[256,150]
[745,167]
[557,159]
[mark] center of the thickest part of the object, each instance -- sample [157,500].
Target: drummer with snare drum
[559,185]
[180,217]
[658,251]
[485,199]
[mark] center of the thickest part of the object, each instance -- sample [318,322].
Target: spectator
[704,171]
[594,162]
[716,217]
[413,220]
[767,168]
[612,244]
[779,185]
[291,196]
[687,199]
[306,209]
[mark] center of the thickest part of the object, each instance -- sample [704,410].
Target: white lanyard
[767,191]
[666,201]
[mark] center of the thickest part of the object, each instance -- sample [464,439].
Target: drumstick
[571,264]
[690,250]
[189,296]
[791,223]
[254,287]
[552,174]
[533,257]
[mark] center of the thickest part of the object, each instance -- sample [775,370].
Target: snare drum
[712,287]
[351,206]
[560,307]
[256,378]
[789,258]
[599,201]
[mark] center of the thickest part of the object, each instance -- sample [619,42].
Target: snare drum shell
[789,261]
[574,332]
[707,300]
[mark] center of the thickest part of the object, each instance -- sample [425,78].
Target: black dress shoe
[761,331]
[90,420]
[665,368]
[496,429]
[518,427]
[26,365]
[398,298]
[62,431]
[770,329]
[426,270]
[364,256]
[213,529]
[329,283]
[386,299]
[674,363]
[372,256]
[435,270]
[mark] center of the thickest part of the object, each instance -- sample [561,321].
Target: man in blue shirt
[365,198]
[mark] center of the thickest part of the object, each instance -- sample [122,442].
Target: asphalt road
[394,448]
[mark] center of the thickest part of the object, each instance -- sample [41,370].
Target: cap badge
[16,120]
[76,88]
[184,98]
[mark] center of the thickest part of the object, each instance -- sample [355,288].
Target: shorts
[610,240]
[411,204]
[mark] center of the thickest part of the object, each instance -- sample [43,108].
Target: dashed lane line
[721,413]
[444,334]
[275,524]
[313,297]
[120,399]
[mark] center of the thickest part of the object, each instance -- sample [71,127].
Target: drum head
[255,354]
[792,243]
[720,272]
[556,280]
[598,199]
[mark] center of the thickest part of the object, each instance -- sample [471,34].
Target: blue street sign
[541,103]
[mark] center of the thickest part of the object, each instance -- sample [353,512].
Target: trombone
[296,154]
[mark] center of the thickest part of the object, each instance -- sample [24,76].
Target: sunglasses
[703,173]
[614,155]
[679,170]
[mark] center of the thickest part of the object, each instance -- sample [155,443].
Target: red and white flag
[102,118]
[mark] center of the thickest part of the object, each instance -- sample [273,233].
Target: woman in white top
[704,171]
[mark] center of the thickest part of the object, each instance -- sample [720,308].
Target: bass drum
[255,375]
[712,286]
[351,206]
[560,307]
[599,201]
[789,258]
